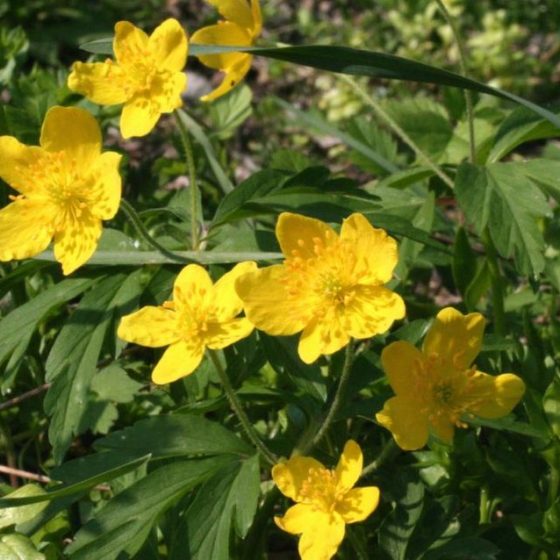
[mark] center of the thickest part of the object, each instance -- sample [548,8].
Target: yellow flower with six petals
[326,500]
[202,315]
[330,286]
[438,386]
[242,26]
[66,185]
[147,75]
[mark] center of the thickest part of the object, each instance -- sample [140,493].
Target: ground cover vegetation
[279,280]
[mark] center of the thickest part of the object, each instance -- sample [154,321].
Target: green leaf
[200,136]
[17,327]
[114,384]
[231,495]
[499,198]
[407,177]
[464,262]
[175,436]
[78,487]
[18,547]
[508,424]
[230,111]
[551,405]
[356,62]
[72,361]
[123,524]
[17,515]
[464,548]
[544,172]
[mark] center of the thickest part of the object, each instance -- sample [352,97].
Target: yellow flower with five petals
[330,286]
[146,76]
[202,315]
[326,500]
[242,27]
[438,387]
[66,185]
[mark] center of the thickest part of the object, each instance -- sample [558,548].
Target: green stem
[237,408]
[484,506]
[336,403]
[397,129]
[135,220]
[463,64]
[390,450]
[188,149]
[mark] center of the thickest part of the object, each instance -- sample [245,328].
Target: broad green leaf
[464,262]
[231,495]
[18,547]
[479,285]
[178,435]
[407,177]
[123,524]
[230,111]
[551,405]
[544,172]
[519,127]
[72,361]
[501,199]
[78,487]
[17,515]
[356,62]
[509,424]
[200,136]
[18,326]
[318,123]
[464,548]
[114,384]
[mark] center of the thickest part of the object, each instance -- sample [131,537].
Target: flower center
[320,489]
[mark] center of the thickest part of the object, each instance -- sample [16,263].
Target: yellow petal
[179,360]
[25,228]
[104,83]
[234,74]
[150,326]
[298,519]
[372,310]
[168,43]
[455,336]
[223,33]
[227,303]
[408,425]
[268,303]
[257,17]
[289,476]
[76,240]
[322,538]
[16,162]
[323,335]
[443,428]
[400,360]
[74,131]
[193,289]
[105,193]
[130,44]
[220,335]
[358,504]
[303,237]
[237,11]
[139,116]
[377,253]
[349,466]
[494,397]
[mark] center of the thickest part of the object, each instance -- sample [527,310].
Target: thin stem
[463,64]
[24,396]
[135,220]
[484,506]
[24,474]
[188,149]
[237,408]
[336,403]
[387,453]
[397,129]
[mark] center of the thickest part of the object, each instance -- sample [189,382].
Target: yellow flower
[326,500]
[242,26]
[202,315]
[66,185]
[330,286]
[147,75]
[437,386]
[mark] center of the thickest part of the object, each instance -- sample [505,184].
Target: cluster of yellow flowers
[331,286]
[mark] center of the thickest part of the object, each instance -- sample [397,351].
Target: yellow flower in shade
[242,26]
[326,500]
[147,75]
[330,286]
[438,386]
[202,315]
[66,185]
